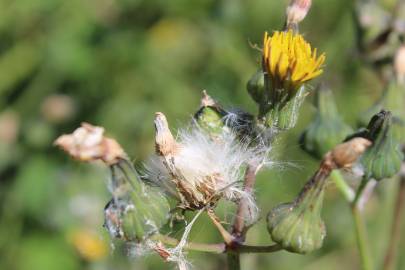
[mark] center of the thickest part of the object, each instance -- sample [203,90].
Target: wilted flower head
[87,143]
[199,170]
[289,60]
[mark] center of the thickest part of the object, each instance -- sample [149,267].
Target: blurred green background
[114,63]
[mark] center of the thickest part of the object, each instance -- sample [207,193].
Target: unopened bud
[210,116]
[399,64]
[298,226]
[297,11]
[255,87]
[327,128]
[383,159]
[136,210]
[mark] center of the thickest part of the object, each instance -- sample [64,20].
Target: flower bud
[298,226]
[255,87]
[327,128]
[136,210]
[383,159]
[210,116]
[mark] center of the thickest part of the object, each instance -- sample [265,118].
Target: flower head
[88,143]
[198,170]
[289,60]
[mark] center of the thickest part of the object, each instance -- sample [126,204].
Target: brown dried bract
[164,141]
[345,154]
[88,143]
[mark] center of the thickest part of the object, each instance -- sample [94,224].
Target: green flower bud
[284,114]
[327,128]
[210,119]
[255,87]
[298,226]
[383,159]
[210,116]
[136,210]
[393,99]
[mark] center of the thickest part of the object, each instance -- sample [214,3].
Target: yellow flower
[88,245]
[289,60]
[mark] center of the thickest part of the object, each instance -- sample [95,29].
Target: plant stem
[218,247]
[233,261]
[238,229]
[211,248]
[343,187]
[361,237]
[239,223]
[392,250]
[360,228]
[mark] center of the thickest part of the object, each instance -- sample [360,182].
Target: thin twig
[228,238]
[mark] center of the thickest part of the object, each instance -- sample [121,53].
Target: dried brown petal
[88,143]
[164,140]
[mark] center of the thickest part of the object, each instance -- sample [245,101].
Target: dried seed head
[399,64]
[296,12]
[88,143]
[346,154]
[197,169]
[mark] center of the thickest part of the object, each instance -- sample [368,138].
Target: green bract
[327,128]
[136,210]
[383,159]
[284,115]
[298,226]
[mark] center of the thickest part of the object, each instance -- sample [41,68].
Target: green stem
[343,187]
[392,250]
[361,237]
[233,261]
[217,248]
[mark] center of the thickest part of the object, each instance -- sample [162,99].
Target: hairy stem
[392,250]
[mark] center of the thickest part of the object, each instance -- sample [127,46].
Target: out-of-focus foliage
[116,62]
